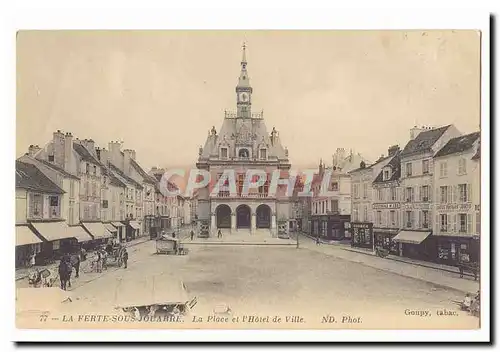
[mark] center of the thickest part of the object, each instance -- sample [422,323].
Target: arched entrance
[223,216]
[263,215]
[243,217]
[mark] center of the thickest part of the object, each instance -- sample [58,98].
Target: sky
[161,91]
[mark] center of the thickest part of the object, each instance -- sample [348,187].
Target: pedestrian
[32,259]
[99,261]
[76,264]
[219,234]
[125,257]
[192,235]
[317,240]
[173,234]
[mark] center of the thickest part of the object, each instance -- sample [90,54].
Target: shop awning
[97,230]
[25,236]
[414,237]
[117,224]
[79,233]
[110,228]
[135,225]
[52,231]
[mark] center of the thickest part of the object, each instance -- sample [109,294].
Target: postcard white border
[257,15]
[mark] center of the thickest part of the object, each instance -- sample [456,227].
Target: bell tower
[244,90]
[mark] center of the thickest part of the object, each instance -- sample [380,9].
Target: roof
[58,169]
[232,133]
[395,165]
[424,141]
[477,155]
[29,177]
[122,175]
[147,178]
[459,144]
[85,154]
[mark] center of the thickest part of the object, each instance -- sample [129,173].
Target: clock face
[244,97]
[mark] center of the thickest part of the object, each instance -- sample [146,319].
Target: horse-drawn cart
[115,254]
[170,245]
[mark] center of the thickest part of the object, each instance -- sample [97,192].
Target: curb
[126,246]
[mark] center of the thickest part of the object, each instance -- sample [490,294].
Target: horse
[65,270]
[42,278]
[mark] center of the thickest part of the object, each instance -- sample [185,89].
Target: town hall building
[243,143]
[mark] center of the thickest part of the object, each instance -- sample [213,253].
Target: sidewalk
[439,275]
[22,273]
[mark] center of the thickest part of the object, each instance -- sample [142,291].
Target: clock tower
[243,90]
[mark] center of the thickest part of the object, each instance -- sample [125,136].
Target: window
[223,153]
[425,167]
[356,191]
[54,201]
[335,186]
[393,193]
[365,213]
[263,154]
[408,169]
[443,169]
[478,223]
[392,217]
[95,170]
[51,158]
[335,205]
[409,218]
[386,175]
[444,194]
[36,205]
[462,166]
[425,219]
[87,168]
[379,218]
[379,194]
[443,222]
[56,245]
[105,204]
[322,207]
[463,222]
[464,195]
[409,194]
[425,194]
[365,190]
[72,188]
[243,153]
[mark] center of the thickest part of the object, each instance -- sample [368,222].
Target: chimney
[393,150]
[127,155]
[115,155]
[58,143]
[68,151]
[362,165]
[415,131]
[33,149]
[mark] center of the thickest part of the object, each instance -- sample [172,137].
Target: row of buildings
[73,191]
[421,202]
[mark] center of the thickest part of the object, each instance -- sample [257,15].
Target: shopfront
[416,244]
[120,227]
[27,244]
[454,250]
[384,238]
[58,238]
[362,235]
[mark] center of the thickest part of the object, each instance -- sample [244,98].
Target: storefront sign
[386,206]
[362,234]
[424,206]
[454,206]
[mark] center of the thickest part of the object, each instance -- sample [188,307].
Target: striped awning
[135,225]
[97,230]
[117,224]
[79,233]
[110,228]
[25,236]
[52,231]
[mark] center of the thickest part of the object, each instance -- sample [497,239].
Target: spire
[244,80]
[244,57]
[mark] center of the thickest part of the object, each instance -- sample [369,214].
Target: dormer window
[243,153]
[387,174]
[223,153]
[263,154]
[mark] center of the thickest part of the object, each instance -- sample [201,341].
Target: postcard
[259,179]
